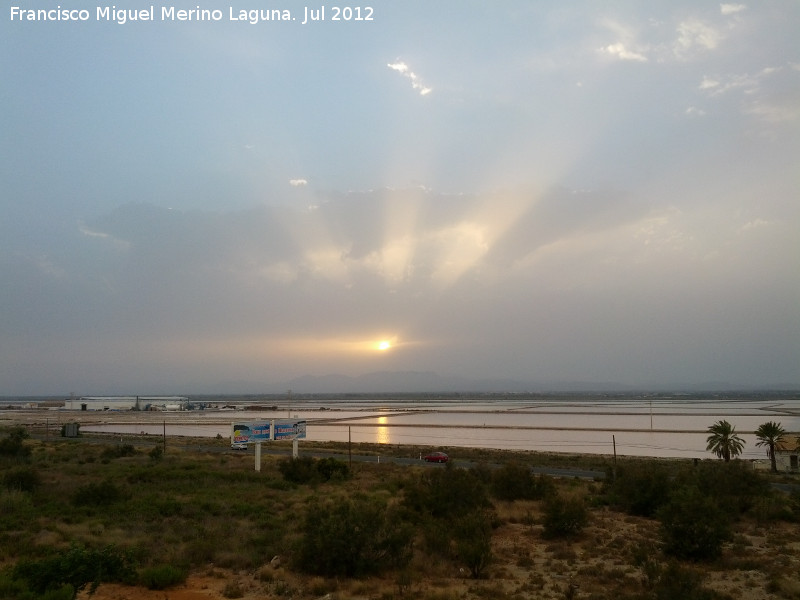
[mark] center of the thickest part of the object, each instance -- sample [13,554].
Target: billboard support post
[295,450]
[258,456]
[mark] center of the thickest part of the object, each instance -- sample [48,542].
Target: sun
[384,345]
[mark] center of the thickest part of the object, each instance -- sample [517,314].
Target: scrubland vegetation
[75,514]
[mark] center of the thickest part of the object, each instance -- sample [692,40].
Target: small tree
[734,486]
[640,489]
[76,568]
[23,479]
[564,517]
[12,447]
[770,434]
[351,537]
[514,481]
[445,493]
[692,525]
[723,441]
[473,541]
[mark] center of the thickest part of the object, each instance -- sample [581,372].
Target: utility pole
[614,471]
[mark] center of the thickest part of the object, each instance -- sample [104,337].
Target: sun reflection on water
[382,431]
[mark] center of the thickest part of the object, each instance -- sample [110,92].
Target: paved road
[552,471]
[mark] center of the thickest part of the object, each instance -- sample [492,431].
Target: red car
[437,457]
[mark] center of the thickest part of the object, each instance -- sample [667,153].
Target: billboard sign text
[265,431]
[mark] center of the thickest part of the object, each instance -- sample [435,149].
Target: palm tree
[770,434]
[723,440]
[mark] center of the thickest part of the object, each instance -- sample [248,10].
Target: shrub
[12,447]
[299,470]
[308,470]
[23,479]
[640,489]
[161,577]
[119,451]
[77,567]
[514,481]
[472,535]
[157,453]
[233,590]
[734,486]
[330,468]
[692,525]
[677,582]
[97,494]
[351,537]
[564,517]
[446,493]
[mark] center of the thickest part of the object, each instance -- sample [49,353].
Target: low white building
[787,453]
[128,403]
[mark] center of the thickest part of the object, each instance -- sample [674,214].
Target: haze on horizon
[500,191]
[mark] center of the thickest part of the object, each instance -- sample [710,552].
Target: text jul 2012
[171,13]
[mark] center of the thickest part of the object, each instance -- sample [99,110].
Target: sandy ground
[525,566]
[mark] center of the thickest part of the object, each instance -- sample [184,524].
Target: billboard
[289,430]
[265,431]
[246,433]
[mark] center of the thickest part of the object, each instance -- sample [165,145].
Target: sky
[514,190]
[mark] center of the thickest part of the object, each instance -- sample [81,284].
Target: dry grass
[194,517]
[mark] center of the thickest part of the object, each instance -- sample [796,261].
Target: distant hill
[407,382]
[380,382]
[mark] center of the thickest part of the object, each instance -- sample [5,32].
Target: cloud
[693,111]
[730,9]
[228,288]
[770,95]
[298,182]
[723,85]
[754,224]
[620,51]
[626,46]
[694,35]
[416,82]
[778,110]
[708,84]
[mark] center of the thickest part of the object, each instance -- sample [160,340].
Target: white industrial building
[128,403]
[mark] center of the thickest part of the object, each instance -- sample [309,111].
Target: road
[466,464]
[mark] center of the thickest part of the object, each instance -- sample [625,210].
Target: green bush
[161,577]
[23,479]
[640,489]
[12,445]
[309,470]
[735,486]
[11,588]
[692,525]
[330,468]
[677,582]
[445,493]
[97,494]
[233,590]
[351,537]
[299,470]
[564,517]
[472,536]
[119,451]
[514,481]
[77,567]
